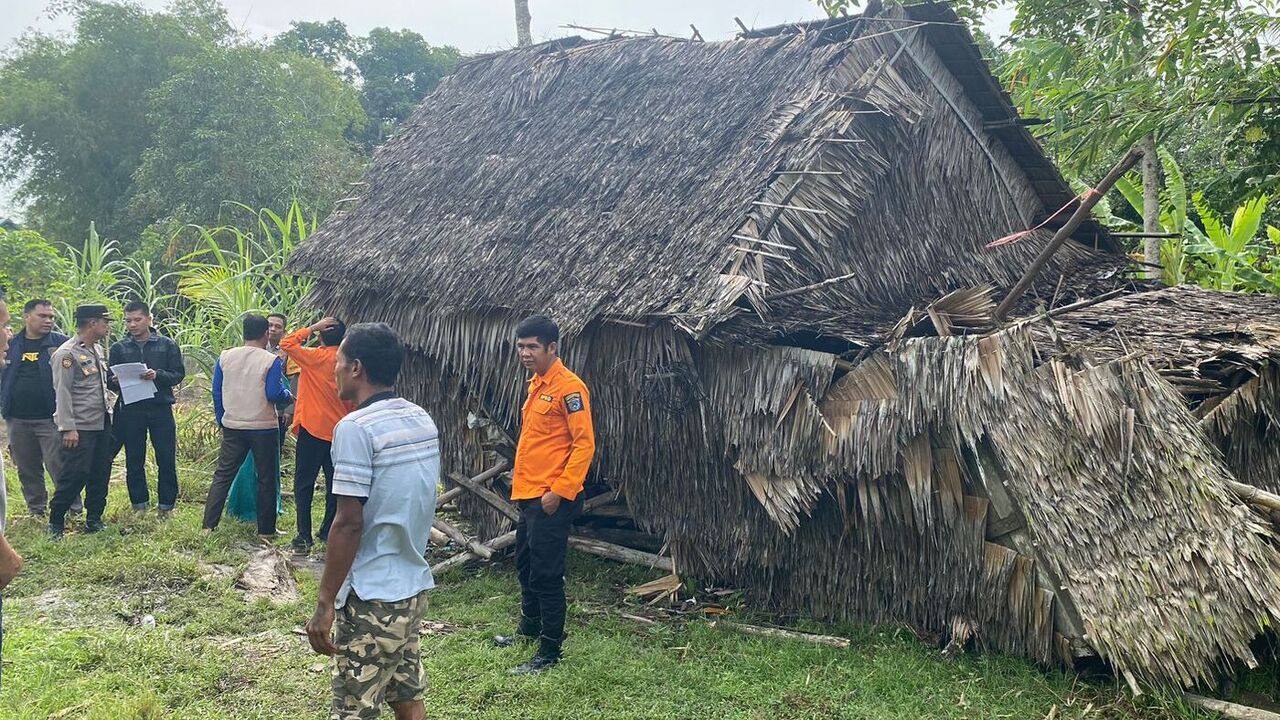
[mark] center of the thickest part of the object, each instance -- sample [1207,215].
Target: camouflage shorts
[379,659]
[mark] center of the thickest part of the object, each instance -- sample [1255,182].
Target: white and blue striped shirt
[387,453]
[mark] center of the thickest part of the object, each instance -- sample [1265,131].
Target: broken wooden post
[607,550]
[462,540]
[501,542]
[1082,211]
[1230,709]
[769,632]
[453,493]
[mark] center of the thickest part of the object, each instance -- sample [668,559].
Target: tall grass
[233,270]
[200,302]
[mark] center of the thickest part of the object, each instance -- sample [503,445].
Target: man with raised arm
[316,411]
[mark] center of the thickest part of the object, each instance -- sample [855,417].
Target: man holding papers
[145,369]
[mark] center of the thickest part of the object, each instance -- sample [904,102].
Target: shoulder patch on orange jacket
[573,402]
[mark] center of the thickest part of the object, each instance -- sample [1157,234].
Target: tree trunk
[1151,205]
[523,35]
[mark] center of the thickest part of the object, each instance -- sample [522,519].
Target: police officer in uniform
[83,416]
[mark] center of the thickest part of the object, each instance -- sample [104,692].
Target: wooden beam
[1230,709]
[1064,232]
[487,495]
[620,554]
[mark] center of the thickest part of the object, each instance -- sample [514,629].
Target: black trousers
[541,543]
[312,456]
[85,467]
[132,425]
[236,445]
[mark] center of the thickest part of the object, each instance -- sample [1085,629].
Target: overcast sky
[469,25]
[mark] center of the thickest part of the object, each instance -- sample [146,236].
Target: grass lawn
[76,646]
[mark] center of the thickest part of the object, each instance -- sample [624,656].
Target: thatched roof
[623,178]
[1205,342]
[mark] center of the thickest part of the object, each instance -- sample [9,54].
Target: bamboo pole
[814,286]
[797,208]
[769,632]
[1255,496]
[1064,232]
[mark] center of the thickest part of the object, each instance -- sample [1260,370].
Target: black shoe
[55,533]
[302,546]
[94,526]
[538,664]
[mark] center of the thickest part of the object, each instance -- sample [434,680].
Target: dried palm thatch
[1220,350]
[720,227]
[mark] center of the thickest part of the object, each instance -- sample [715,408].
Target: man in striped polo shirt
[386,460]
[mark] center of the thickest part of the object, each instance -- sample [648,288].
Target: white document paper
[132,387]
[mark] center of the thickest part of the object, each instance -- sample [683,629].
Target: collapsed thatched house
[731,234]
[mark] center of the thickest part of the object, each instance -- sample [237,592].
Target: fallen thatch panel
[1220,350]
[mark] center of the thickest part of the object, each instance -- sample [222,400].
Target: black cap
[92,312]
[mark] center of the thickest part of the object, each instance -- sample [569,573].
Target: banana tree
[1232,257]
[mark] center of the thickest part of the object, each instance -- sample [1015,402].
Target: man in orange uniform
[317,411]
[555,449]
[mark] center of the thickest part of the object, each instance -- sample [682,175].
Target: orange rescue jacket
[557,440]
[318,408]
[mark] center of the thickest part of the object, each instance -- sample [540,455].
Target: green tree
[329,42]
[1109,72]
[75,110]
[263,126]
[397,68]
[28,265]
[393,69]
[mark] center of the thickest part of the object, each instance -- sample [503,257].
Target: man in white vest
[248,384]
